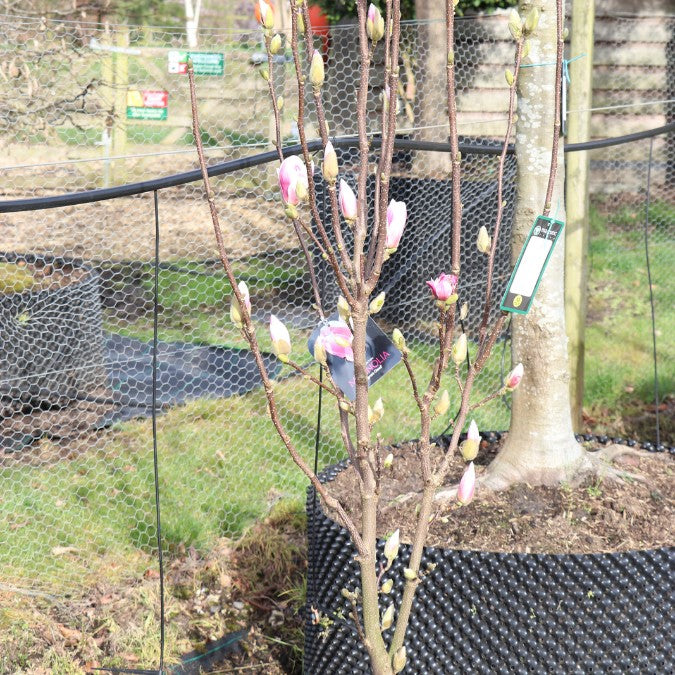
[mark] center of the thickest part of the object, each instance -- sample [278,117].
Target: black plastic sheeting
[500,613]
[185,371]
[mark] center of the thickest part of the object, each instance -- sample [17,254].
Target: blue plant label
[529,269]
[336,338]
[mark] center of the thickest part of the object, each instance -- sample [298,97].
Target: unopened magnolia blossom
[467,486]
[397,215]
[514,377]
[281,340]
[293,180]
[235,309]
[347,201]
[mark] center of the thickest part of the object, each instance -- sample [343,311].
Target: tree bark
[431,98]
[540,447]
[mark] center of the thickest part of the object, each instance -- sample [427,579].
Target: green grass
[195,301]
[619,362]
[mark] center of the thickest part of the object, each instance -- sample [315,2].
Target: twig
[558,94]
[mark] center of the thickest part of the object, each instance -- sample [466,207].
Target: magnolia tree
[356,269]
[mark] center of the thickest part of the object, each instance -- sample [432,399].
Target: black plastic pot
[51,340]
[483,612]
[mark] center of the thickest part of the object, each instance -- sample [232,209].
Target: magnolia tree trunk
[540,447]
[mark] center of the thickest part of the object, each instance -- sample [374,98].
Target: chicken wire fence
[82,285]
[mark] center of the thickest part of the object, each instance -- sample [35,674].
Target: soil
[595,517]
[123,229]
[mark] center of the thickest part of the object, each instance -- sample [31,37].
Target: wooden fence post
[576,198]
[119,140]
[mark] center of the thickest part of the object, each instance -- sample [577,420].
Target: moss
[15,278]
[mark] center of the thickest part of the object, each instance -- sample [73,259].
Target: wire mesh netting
[87,107]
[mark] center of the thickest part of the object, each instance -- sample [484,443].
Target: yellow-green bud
[275,44]
[459,350]
[291,211]
[316,71]
[345,406]
[376,413]
[443,404]
[399,660]
[515,24]
[409,574]
[388,461]
[376,303]
[464,311]
[387,585]
[398,340]
[526,49]
[343,309]
[451,57]
[280,103]
[531,20]
[330,163]
[509,77]
[301,23]
[301,191]
[388,617]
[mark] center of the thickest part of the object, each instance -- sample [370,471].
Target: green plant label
[531,264]
[204,63]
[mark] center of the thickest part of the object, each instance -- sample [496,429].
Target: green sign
[204,63]
[135,113]
[531,264]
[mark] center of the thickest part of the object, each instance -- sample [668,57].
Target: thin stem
[366,52]
[339,276]
[273,96]
[500,190]
[323,132]
[558,95]
[379,238]
[249,333]
[454,142]
[305,373]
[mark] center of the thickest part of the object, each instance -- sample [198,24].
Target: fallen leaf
[71,635]
[62,550]
[151,574]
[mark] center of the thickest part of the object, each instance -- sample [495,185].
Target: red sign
[155,99]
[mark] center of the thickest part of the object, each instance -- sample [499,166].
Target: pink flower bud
[514,377]
[374,23]
[281,340]
[293,179]
[347,200]
[467,486]
[473,434]
[444,287]
[397,215]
